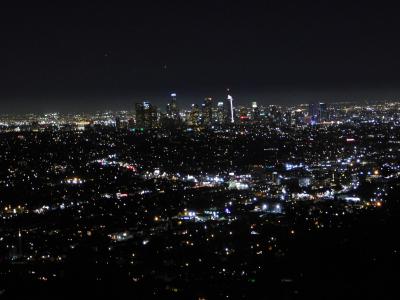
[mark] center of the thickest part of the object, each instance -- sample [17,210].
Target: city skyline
[199,149]
[75,106]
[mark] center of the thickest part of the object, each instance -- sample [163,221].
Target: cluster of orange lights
[375,203]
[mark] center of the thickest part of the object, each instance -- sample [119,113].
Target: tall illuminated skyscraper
[207,111]
[220,112]
[230,113]
[172,108]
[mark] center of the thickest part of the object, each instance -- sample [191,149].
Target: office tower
[255,111]
[139,109]
[172,108]
[317,113]
[207,111]
[313,113]
[323,112]
[229,109]
[220,113]
[146,115]
[194,116]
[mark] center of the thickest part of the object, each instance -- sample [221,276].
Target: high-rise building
[194,116]
[172,108]
[207,111]
[317,112]
[255,111]
[220,113]
[229,109]
[146,115]
[323,112]
[313,112]
[139,109]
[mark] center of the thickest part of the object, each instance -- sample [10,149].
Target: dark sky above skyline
[106,55]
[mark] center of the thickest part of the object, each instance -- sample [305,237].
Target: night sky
[106,55]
